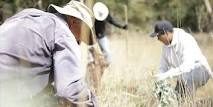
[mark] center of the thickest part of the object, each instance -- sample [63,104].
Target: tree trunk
[208,6]
[209,26]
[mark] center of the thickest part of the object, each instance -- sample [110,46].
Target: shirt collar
[174,38]
[62,18]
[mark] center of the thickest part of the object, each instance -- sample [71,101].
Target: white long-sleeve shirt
[182,55]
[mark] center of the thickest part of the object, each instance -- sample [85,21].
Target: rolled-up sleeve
[67,73]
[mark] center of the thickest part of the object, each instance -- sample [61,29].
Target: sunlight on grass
[128,82]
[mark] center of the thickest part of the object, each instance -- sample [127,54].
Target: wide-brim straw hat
[100,11]
[75,9]
[78,10]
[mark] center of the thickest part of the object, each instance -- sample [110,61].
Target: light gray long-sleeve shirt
[34,44]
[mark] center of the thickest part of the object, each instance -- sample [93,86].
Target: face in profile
[164,38]
[75,27]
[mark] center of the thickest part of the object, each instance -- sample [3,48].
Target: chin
[166,44]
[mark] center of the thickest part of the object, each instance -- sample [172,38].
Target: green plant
[165,94]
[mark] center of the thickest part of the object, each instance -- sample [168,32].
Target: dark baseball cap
[161,27]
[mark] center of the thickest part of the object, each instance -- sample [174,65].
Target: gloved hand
[161,76]
[125,27]
[172,72]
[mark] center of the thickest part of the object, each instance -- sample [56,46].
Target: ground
[135,58]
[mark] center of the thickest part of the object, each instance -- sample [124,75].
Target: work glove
[125,27]
[161,76]
[173,72]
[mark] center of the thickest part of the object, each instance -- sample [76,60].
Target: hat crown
[163,26]
[75,9]
[100,11]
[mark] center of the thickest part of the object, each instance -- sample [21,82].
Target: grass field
[135,58]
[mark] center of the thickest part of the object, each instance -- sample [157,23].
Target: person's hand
[161,76]
[125,27]
[172,72]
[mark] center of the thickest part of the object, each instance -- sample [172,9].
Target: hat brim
[85,37]
[54,9]
[71,12]
[88,36]
[153,35]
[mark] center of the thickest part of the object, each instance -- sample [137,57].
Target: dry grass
[205,42]
[128,82]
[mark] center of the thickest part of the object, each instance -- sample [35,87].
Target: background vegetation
[129,81]
[193,15]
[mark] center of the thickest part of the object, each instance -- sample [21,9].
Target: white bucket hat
[75,9]
[100,11]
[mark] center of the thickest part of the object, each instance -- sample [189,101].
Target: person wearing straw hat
[38,48]
[181,57]
[102,17]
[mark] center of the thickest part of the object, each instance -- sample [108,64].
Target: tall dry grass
[128,81]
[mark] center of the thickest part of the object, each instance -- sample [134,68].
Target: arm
[115,23]
[163,66]
[67,72]
[193,57]
[189,52]
[163,62]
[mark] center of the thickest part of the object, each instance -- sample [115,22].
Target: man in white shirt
[181,57]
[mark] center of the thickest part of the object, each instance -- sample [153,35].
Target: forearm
[174,72]
[186,67]
[77,94]
[114,22]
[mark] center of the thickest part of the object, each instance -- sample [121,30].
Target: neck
[171,37]
[61,16]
